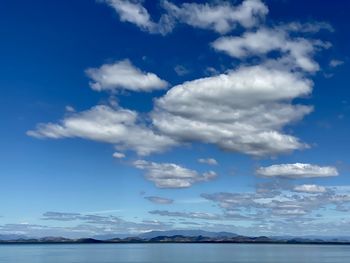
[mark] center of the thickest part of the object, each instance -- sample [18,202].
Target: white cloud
[118,155]
[123,75]
[258,206]
[243,110]
[311,27]
[210,161]
[159,200]
[221,17]
[69,108]
[335,63]
[105,124]
[133,12]
[181,70]
[295,51]
[297,170]
[310,188]
[192,215]
[169,175]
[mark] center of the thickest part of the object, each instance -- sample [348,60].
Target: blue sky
[131,116]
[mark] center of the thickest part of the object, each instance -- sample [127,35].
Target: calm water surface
[157,253]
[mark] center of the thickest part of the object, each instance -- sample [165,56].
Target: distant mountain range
[187,233]
[177,236]
[152,234]
[11,237]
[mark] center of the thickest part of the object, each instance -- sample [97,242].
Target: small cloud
[211,71]
[181,70]
[335,63]
[297,170]
[123,75]
[159,200]
[191,215]
[69,108]
[328,75]
[118,155]
[210,161]
[341,116]
[297,52]
[313,27]
[169,175]
[59,216]
[310,188]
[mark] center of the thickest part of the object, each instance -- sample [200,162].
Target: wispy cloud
[159,200]
[210,161]
[221,17]
[335,63]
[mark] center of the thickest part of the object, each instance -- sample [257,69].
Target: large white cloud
[243,110]
[297,170]
[123,75]
[106,124]
[295,51]
[169,175]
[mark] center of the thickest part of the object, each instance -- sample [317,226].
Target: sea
[173,253]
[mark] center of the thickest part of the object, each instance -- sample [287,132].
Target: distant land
[176,236]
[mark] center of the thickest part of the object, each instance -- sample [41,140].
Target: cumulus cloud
[295,51]
[210,161]
[159,200]
[297,170]
[243,110]
[169,175]
[123,75]
[103,123]
[310,188]
[220,17]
